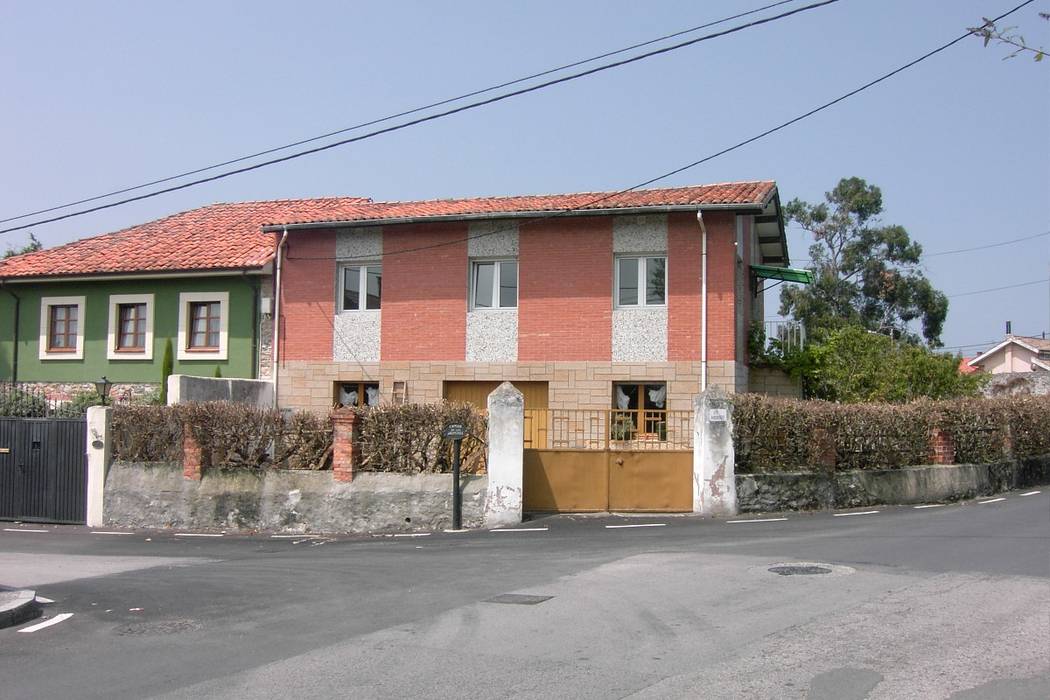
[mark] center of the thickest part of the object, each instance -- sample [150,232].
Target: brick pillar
[191,454]
[942,447]
[344,437]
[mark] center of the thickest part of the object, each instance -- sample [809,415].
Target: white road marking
[412,534]
[42,599]
[1031,493]
[994,500]
[756,520]
[521,529]
[22,529]
[931,505]
[47,623]
[101,532]
[614,527]
[197,534]
[294,537]
[862,512]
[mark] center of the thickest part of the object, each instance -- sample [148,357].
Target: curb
[17,606]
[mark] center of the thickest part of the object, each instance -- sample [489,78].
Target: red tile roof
[965,368]
[216,237]
[231,236]
[729,194]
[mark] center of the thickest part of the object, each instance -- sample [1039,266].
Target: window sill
[497,309]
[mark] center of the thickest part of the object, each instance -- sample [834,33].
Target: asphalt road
[951,601]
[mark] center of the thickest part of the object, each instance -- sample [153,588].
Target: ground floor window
[639,411]
[357,394]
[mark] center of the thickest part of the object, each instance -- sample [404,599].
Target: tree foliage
[990,32]
[854,364]
[31,247]
[865,273]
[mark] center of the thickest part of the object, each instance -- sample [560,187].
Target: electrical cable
[398,115]
[456,110]
[997,289]
[740,144]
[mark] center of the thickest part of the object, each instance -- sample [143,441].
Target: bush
[407,438]
[143,433]
[229,435]
[19,402]
[78,405]
[772,434]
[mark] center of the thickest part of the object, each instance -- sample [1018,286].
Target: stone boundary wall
[155,495]
[852,489]
[1017,384]
[184,388]
[772,381]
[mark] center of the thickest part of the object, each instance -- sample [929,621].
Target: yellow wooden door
[477,394]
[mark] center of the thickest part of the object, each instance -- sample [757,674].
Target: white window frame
[115,302]
[472,276]
[362,286]
[187,298]
[45,327]
[642,280]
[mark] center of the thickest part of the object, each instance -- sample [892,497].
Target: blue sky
[97,96]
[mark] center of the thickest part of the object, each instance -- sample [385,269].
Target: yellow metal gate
[608,460]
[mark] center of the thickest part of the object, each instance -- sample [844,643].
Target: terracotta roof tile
[216,237]
[230,236]
[732,193]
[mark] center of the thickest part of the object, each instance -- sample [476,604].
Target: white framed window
[641,281]
[204,320]
[360,287]
[494,284]
[62,328]
[130,335]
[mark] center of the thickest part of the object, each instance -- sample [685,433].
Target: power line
[997,289]
[438,115]
[683,168]
[398,115]
[983,247]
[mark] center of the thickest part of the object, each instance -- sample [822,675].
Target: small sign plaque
[454,431]
[717,415]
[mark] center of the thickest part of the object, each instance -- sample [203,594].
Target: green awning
[788,274]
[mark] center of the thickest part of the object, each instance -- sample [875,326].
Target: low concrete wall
[183,388]
[853,489]
[773,381]
[157,495]
[1018,384]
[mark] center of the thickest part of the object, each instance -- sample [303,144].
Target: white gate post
[714,473]
[506,457]
[99,444]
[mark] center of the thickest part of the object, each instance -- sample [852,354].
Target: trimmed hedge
[785,435]
[229,435]
[407,438]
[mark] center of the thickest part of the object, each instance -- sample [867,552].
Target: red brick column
[191,454]
[942,447]
[344,456]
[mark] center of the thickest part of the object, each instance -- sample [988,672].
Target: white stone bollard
[714,473]
[506,456]
[99,446]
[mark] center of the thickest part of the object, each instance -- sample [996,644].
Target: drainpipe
[277,312]
[14,347]
[703,300]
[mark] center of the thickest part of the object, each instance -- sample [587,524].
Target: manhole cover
[799,570]
[141,629]
[518,599]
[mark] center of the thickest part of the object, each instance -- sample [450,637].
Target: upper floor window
[130,327]
[62,328]
[362,287]
[641,281]
[494,284]
[204,319]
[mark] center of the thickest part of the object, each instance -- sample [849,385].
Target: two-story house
[594,300]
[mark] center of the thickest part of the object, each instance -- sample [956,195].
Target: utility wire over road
[438,115]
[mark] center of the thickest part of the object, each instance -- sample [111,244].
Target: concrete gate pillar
[714,473]
[506,457]
[99,453]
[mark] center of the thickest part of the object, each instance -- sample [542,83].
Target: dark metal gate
[43,469]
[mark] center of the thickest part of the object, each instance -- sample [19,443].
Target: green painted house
[108,305]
